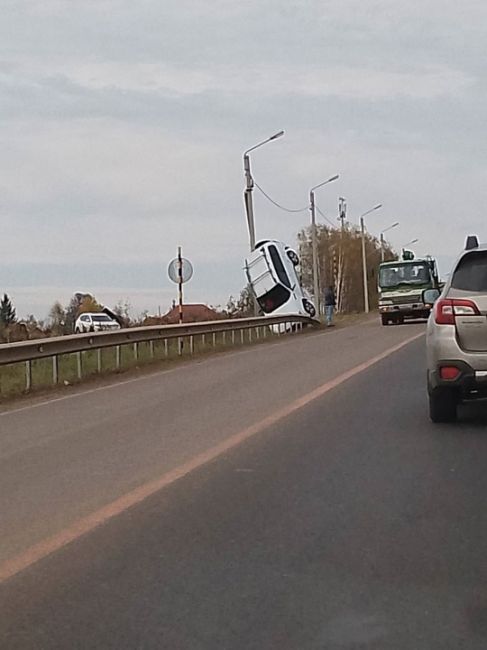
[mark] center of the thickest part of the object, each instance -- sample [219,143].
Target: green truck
[401,286]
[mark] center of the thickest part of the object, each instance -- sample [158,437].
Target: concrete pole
[314,251]
[364,267]
[249,206]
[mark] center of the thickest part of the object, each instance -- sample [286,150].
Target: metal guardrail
[29,351]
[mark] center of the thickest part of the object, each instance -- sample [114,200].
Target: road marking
[42,549]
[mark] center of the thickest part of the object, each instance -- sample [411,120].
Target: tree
[340,264]
[89,304]
[57,319]
[242,307]
[122,310]
[8,315]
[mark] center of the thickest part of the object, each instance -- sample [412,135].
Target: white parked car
[95,322]
[271,272]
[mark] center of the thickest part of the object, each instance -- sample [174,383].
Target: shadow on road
[474,414]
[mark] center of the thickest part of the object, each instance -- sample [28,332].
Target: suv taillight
[447,309]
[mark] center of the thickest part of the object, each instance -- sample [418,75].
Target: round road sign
[186,270]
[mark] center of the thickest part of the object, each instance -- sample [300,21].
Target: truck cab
[401,287]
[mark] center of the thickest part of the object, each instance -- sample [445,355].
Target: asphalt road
[352,523]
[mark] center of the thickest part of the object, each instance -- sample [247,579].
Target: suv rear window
[471,273]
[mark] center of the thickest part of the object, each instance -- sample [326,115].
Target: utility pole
[249,187]
[314,251]
[364,267]
[342,212]
[314,242]
[342,217]
[249,205]
[364,258]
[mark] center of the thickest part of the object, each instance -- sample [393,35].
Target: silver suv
[456,336]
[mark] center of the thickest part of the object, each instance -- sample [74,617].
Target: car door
[469,289]
[85,319]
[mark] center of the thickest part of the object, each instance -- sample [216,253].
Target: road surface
[336,517]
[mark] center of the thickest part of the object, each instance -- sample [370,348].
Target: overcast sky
[122,127]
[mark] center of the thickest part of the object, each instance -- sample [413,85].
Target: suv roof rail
[472,242]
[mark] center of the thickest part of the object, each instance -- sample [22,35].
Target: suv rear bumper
[469,383]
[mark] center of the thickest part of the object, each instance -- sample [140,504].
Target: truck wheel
[443,405]
[384,319]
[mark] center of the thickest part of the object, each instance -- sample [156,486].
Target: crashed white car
[271,272]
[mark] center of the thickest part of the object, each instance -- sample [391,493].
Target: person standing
[330,302]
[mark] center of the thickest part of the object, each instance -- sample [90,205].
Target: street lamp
[364,259]
[413,241]
[382,239]
[314,240]
[249,186]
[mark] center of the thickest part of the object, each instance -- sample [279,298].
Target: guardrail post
[136,351]
[166,348]
[55,369]
[265,331]
[233,337]
[28,375]
[118,357]
[203,340]
[191,344]
[151,349]
[224,337]
[242,337]
[257,332]
[79,365]
[214,339]
[98,360]
[250,335]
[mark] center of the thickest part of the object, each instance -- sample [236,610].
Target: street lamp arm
[330,180]
[376,207]
[256,146]
[390,227]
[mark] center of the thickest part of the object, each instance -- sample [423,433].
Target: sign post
[180,270]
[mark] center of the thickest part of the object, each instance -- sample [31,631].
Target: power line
[278,205]
[325,217]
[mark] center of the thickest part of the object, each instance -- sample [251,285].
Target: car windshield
[471,273]
[101,318]
[391,276]
[274,298]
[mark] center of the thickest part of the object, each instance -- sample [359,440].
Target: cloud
[124,126]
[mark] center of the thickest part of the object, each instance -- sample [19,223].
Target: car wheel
[384,319]
[293,256]
[443,405]
[309,308]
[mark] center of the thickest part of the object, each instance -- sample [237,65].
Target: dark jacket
[330,300]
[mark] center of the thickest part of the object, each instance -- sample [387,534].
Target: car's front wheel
[443,404]
[385,319]
[309,308]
